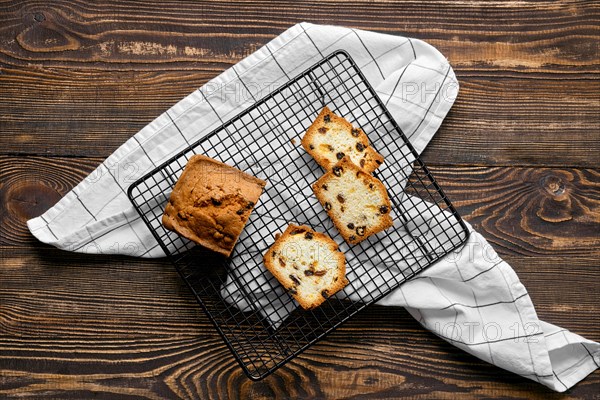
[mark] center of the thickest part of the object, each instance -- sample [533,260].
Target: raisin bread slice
[308,264]
[356,202]
[331,137]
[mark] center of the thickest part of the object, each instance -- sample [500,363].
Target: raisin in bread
[331,137]
[356,202]
[308,264]
[211,203]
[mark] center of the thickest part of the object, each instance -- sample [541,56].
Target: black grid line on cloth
[555,333]
[150,249]
[368,51]
[413,49]
[66,209]
[556,376]
[244,83]
[145,153]
[431,104]
[448,300]
[478,308]
[484,271]
[144,150]
[88,221]
[85,207]
[469,279]
[93,239]
[428,109]
[276,62]
[494,341]
[108,202]
[106,232]
[520,319]
[177,127]
[591,355]
[135,232]
[397,83]
[114,178]
[329,46]
[211,106]
[407,304]
[538,375]
[477,305]
[487,342]
[486,304]
[566,338]
[250,332]
[362,67]
[573,366]
[48,226]
[312,41]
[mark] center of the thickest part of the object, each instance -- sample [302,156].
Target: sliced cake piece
[211,203]
[308,264]
[356,202]
[331,137]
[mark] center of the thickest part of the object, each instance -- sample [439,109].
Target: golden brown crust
[352,229]
[331,137]
[211,203]
[299,273]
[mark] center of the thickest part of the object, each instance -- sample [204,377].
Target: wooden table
[519,154]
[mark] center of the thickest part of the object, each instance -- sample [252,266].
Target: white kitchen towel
[471,298]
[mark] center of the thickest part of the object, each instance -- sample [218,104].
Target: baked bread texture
[308,264]
[330,138]
[356,202]
[211,203]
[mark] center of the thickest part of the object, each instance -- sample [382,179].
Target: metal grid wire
[258,320]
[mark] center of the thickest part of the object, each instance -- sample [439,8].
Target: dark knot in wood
[554,185]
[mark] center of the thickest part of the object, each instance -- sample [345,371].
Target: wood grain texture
[528,211]
[534,37]
[518,154]
[75,326]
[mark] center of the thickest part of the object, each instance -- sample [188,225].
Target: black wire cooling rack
[258,320]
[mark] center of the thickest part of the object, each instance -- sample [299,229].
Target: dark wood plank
[31,185]
[520,122]
[535,37]
[528,211]
[521,211]
[74,325]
